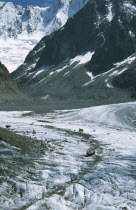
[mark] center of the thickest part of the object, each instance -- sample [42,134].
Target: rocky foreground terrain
[74,159]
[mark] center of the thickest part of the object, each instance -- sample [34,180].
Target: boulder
[90,152]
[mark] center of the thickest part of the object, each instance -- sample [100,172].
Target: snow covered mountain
[23,27]
[86,58]
[25,3]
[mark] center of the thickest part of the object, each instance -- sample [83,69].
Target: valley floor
[44,163]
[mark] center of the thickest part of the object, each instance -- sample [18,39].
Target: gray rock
[81,130]
[90,152]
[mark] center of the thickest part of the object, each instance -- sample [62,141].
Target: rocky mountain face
[127,78]
[22,27]
[8,87]
[11,98]
[84,58]
[5,79]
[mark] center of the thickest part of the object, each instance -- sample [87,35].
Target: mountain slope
[96,31]
[76,61]
[5,79]
[9,92]
[21,28]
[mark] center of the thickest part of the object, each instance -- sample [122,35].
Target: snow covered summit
[25,3]
[21,27]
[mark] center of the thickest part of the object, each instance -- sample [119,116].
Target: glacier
[62,177]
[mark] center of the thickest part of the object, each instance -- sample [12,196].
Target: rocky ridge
[101,35]
[5,79]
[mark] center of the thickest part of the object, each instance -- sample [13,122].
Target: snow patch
[128,60]
[131,7]
[108,84]
[110,14]
[82,59]
[45,97]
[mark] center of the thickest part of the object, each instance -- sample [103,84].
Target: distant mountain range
[91,57]
[25,3]
[21,28]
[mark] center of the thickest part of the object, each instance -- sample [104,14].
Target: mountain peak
[25,25]
[25,3]
[102,30]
